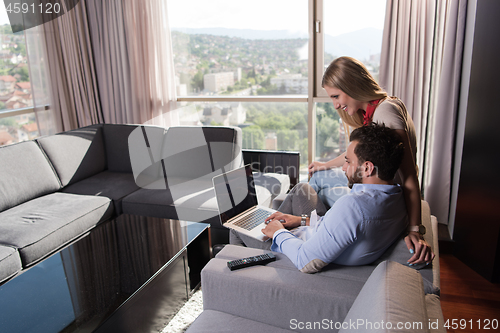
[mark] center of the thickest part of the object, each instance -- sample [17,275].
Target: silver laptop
[237,203]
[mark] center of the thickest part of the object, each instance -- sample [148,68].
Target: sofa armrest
[431,236]
[392,300]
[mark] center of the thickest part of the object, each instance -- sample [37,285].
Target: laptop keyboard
[253,219]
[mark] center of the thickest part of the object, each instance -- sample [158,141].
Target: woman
[359,100]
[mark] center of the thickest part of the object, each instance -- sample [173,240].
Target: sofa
[279,298]
[55,189]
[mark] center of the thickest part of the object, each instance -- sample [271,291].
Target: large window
[350,28]
[17,119]
[258,65]
[346,28]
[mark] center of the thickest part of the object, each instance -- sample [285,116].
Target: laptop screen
[235,192]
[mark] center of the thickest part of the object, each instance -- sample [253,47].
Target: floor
[186,315]
[470,303]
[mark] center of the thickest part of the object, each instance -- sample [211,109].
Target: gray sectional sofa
[55,189]
[279,298]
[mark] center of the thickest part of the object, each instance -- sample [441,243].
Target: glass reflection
[77,288]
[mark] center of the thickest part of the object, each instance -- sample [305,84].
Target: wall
[477,221]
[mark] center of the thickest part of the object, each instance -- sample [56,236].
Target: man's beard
[355,179]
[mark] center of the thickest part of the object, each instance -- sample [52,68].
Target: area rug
[186,315]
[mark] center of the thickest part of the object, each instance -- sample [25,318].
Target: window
[253,65]
[351,28]
[17,119]
[331,140]
[346,28]
[240,48]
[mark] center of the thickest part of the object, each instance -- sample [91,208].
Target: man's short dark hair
[380,145]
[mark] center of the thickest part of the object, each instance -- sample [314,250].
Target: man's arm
[336,233]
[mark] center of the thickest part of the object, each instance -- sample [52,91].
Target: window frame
[17,112]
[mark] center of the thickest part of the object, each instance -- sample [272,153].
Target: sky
[3,14]
[341,16]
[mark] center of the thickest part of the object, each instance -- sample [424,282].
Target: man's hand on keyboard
[272,227]
[288,221]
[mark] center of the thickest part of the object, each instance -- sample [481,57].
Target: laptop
[237,203]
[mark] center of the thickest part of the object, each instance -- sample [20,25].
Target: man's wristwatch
[417,228]
[303,219]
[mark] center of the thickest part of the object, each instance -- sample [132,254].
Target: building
[216,82]
[31,130]
[5,137]
[227,114]
[24,87]
[292,83]
[7,84]
[18,101]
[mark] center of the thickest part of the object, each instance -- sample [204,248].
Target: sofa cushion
[277,285]
[216,321]
[392,296]
[76,154]
[182,152]
[10,262]
[332,271]
[201,152]
[26,174]
[186,199]
[116,144]
[434,313]
[191,200]
[40,226]
[145,145]
[112,185]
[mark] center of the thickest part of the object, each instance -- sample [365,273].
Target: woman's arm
[411,189]
[336,162]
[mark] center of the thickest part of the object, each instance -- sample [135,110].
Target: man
[361,225]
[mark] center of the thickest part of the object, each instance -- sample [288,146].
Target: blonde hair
[352,77]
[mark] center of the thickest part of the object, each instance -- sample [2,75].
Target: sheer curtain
[421,64]
[110,62]
[134,59]
[47,120]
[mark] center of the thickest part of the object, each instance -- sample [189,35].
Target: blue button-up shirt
[357,230]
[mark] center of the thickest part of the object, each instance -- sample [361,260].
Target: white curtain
[421,63]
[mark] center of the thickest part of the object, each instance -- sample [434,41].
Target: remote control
[251,261]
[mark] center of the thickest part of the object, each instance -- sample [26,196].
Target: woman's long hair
[352,77]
